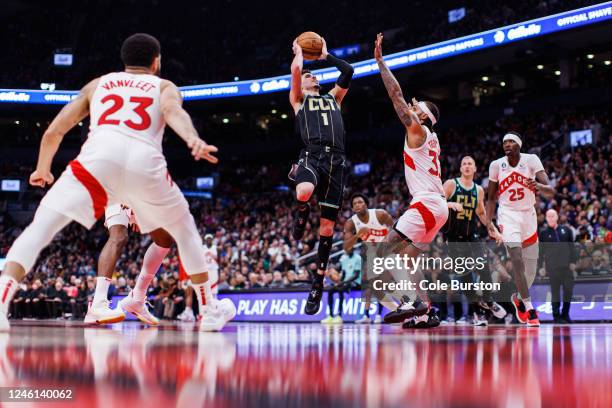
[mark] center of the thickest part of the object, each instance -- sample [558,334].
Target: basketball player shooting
[121,162]
[322,160]
[428,210]
[514,180]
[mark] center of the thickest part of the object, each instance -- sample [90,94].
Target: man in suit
[559,257]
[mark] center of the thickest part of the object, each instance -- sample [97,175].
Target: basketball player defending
[428,211]
[511,179]
[322,161]
[466,199]
[121,162]
[366,225]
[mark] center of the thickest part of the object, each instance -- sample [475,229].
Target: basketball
[311,44]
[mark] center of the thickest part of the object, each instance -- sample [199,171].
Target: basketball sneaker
[495,309]
[327,320]
[480,319]
[314,297]
[426,321]
[532,318]
[215,316]
[186,315]
[299,223]
[406,310]
[138,308]
[364,320]
[378,319]
[519,307]
[101,313]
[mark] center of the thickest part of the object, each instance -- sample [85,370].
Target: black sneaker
[406,310]
[426,321]
[314,298]
[299,223]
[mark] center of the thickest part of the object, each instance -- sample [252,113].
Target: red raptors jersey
[422,166]
[512,191]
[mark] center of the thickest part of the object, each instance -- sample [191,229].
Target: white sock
[101,294]
[527,303]
[203,294]
[151,262]
[8,287]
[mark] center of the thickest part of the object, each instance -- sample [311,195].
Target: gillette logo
[522,31]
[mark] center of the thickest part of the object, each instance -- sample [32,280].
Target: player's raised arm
[66,119]
[179,120]
[346,73]
[295,93]
[415,134]
[491,202]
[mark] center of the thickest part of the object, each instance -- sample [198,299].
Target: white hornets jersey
[128,104]
[512,189]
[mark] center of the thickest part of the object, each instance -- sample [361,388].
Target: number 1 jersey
[128,104]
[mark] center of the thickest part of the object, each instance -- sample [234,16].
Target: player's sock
[150,264]
[325,244]
[204,294]
[101,293]
[527,303]
[8,287]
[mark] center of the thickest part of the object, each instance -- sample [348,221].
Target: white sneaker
[138,308]
[378,319]
[480,320]
[461,321]
[495,308]
[215,316]
[186,315]
[101,313]
[4,323]
[364,320]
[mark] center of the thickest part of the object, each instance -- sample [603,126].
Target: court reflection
[285,365]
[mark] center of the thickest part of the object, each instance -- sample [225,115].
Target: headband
[513,137]
[430,115]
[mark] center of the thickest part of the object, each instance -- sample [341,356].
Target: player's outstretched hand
[378,47]
[455,207]
[324,52]
[41,178]
[494,234]
[201,150]
[296,47]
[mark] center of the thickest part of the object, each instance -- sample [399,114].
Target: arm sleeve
[493,172]
[346,71]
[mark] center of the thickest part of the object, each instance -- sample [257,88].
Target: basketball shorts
[325,168]
[519,228]
[114,169]
[423,219]
[116,214]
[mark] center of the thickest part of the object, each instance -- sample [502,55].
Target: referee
[322,160]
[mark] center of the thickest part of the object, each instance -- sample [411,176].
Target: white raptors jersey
[512,190]
[422,166]
[378,232]
[128,104]
[210,255]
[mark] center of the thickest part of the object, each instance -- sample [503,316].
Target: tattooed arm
[415,134]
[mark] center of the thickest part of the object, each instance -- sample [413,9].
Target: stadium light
[590,56]
[502,83]
[557,73]
[284,116]
[17,122]
[540,66]
[590,66]
[485,78]
[225,120]
[273,111]
[607,62]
